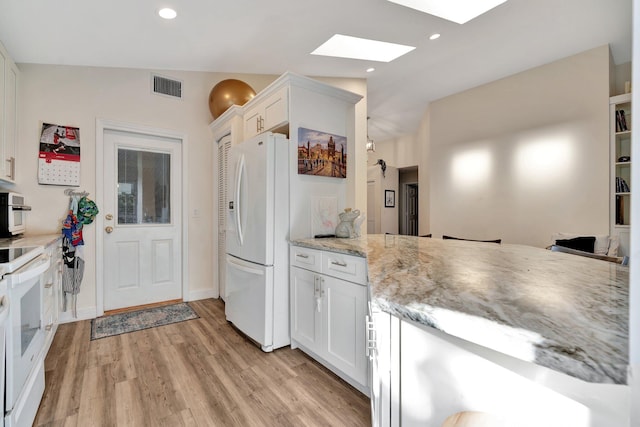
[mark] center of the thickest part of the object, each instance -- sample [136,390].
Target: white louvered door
[224,145]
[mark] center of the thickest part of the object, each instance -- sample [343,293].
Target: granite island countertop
[565,312]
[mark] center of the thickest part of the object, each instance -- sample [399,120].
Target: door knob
[108,229]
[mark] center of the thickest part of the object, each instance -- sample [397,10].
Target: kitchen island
[526,322]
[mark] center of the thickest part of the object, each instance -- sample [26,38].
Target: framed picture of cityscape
[321,153]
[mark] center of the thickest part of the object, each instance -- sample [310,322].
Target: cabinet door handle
[48,285]
[339,264]
[370,349]
[258,124]
[12,167]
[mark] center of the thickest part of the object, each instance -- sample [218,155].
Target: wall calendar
[59,156]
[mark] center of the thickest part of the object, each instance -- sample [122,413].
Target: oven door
[25,336]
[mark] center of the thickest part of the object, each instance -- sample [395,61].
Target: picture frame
[389,198]
[321,153]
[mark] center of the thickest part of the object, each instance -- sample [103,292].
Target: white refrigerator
[257,260]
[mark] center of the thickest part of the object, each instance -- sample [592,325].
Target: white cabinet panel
[311,259]
[344,323]
[425,375]
[9,77]
[52,293]
[351,268]
[305,310]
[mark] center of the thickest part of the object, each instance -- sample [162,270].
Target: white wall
[76,96]
[399,152]
[357,163]
[524,157]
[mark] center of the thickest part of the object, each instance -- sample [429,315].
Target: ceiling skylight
[459,11]
[356,48]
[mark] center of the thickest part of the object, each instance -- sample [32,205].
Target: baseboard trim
[202,294]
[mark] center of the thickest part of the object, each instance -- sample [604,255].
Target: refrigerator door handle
[239,174]
[246,269]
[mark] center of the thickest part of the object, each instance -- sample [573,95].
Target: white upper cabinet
[267,114]
[9,78]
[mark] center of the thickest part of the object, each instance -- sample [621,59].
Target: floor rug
[132,321]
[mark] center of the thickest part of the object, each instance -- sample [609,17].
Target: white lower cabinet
[423,375]
[51,293]
[328,317]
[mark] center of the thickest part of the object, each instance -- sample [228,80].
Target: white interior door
[142,207]
[371,207]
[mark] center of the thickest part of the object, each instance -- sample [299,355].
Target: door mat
[132,321]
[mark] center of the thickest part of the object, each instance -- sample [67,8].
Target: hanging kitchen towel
[87,211]
[72,273]
[72,229]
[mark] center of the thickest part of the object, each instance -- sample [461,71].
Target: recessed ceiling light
[167,13]
[434,36]
[370,70]
[459,11]
[356,48]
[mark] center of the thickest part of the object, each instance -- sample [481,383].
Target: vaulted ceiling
[271,37]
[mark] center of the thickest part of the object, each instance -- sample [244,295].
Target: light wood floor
[196,373]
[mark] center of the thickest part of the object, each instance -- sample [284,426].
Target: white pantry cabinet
[9,77]
[328,313]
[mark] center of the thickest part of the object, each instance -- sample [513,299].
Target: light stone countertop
[562,311]
[29,240]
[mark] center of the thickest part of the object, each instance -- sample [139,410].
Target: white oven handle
[31,270]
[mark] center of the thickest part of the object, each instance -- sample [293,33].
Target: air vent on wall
[165,86]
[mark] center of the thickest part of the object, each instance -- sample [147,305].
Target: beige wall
[77,96]
[400,152]
[524,157]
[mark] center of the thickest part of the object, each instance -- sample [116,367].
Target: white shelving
[620,141]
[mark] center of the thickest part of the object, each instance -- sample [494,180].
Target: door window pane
[144,180]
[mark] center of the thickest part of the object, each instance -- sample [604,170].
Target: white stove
[23,271]
[12,258]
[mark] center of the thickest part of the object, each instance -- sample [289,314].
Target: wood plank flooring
[200,372]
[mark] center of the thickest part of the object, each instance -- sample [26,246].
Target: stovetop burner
[10,254]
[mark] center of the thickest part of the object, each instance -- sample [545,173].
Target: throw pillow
[601,247]
[583,243]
